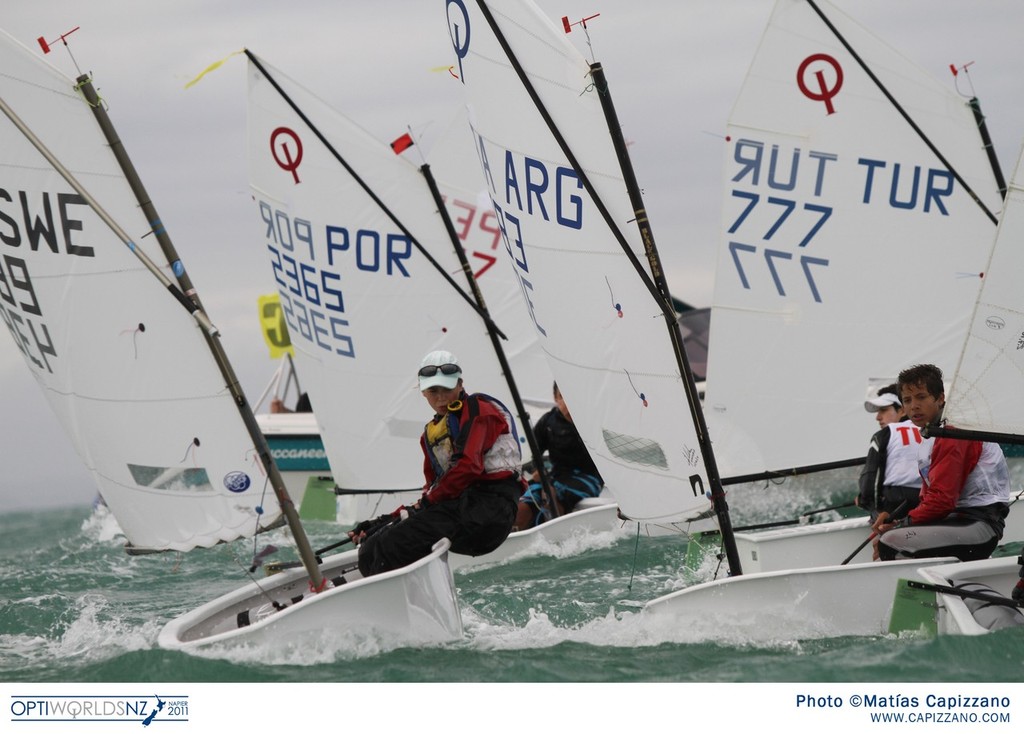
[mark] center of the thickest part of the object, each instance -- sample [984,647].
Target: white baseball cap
[875,404]
[439,368]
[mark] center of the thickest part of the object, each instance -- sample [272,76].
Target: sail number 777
[791,200]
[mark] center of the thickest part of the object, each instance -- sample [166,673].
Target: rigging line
[351,171]
[194,310]
[571,158]
[657,272]
[717,494]
[956,79]
[493,334]
[655,282]
[632,569]
[659,289]
[903,112]
[190,300]
[259,508]
[782,474]
[45,45]
[98,106]
[252,578]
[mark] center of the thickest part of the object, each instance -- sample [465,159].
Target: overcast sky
[674,67]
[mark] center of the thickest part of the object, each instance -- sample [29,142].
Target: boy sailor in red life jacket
[471,460]
[966,491]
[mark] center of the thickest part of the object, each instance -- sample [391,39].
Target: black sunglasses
[446,369]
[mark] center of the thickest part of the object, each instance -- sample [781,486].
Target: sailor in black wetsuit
[571,471]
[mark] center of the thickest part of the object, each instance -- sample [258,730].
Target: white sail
[363,304]
[123,365]
[987,393]
[848,249]
[603,332]
[455,165]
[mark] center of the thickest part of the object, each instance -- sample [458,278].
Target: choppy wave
[75,607]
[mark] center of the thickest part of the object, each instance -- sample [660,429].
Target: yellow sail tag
[212,67]
[275,328]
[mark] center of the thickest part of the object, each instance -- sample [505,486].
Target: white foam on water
[617,629]
[101,526]
[92,635]
[323,647]
[581,542]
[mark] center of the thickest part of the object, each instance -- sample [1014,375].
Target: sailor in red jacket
[471,463]
[966,490]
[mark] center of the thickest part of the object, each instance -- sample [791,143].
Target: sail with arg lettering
[565,222]
[122,364]
[858,214]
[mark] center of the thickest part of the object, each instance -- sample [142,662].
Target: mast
[656,286]
[986,140]
[219,355]
[665,302]
[499,351]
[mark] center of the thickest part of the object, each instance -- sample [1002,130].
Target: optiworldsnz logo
[128,709]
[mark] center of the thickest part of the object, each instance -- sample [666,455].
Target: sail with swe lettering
[849,248]
[987,393]
[602,330]
[339,215]
[124,367]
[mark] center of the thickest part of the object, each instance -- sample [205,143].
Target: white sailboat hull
[960,616]
[832,601]
[828,543]
[599,517]
[415,604]
[804,546]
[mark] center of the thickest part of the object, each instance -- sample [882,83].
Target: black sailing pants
[476,522]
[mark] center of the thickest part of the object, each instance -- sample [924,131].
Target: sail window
[635,449]
[192,479]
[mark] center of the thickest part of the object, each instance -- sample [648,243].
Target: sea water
[75,607]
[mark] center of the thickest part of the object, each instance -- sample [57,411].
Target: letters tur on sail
[363,303]
[848,249]
[123,365]
[602,331]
